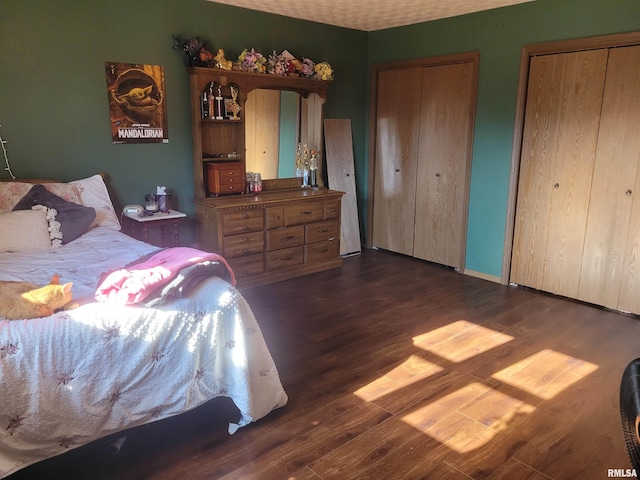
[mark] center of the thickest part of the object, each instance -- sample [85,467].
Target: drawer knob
[305,213]
[290,257]
[286,237]
[324,230]
[246,215]
[245,239]
[246,250]
[277,217]
[245,227]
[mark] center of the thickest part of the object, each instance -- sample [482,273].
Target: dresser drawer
[246,266]
[230,188]
[317,232]
[245,221]
[331,209]
[286,257]
[303,213]
[321,251]
[245,244]
[285,237]
[232,180]
[275,217]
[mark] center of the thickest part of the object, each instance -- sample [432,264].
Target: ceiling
[370,15]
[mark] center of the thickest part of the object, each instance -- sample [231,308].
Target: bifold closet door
[611,260]
[559,141]
[446,113]
[397,127]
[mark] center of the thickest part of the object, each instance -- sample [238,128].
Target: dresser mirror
[276,121]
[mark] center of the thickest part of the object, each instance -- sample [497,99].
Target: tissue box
[164,202]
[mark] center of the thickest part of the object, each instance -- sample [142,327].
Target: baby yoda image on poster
[137,107]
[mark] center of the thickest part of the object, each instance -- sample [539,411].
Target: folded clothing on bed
[142,278]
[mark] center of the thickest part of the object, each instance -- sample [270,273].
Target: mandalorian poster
[137,103]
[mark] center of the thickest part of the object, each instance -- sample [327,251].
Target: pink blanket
[136,282]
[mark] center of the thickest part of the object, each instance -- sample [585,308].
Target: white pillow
[24,230]
[93,193]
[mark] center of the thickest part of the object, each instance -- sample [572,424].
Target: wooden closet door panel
[629,299]
[576,145]
[609,266]
[396,149]
[628,60]
[537,164]
[442,183]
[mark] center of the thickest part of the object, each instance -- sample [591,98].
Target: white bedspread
[79,375]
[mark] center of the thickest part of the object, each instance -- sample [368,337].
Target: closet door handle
[628,193]
[556,186]
[437,174]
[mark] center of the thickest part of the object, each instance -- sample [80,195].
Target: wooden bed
[104,367]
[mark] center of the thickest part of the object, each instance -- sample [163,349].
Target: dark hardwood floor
[399,369]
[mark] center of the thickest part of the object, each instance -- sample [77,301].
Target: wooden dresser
[272,236]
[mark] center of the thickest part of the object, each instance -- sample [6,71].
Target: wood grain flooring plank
[401,369]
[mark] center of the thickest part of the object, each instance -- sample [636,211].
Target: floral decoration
[323,71]
[277,64]
[283,64]
[196,52]
[286,64]
[252,61]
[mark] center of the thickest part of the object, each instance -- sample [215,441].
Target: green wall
[53,98]
[499,36]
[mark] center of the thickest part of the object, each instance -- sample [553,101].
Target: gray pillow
[74,218]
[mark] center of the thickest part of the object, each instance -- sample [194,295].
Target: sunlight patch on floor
[411,370]
[461,340]
[468,418]
[546,373]
[472,416]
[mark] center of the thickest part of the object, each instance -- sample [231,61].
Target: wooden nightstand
[138,226]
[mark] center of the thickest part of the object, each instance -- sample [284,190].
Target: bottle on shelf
[299,161]
[313,167]
[254,182]
[305,167]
